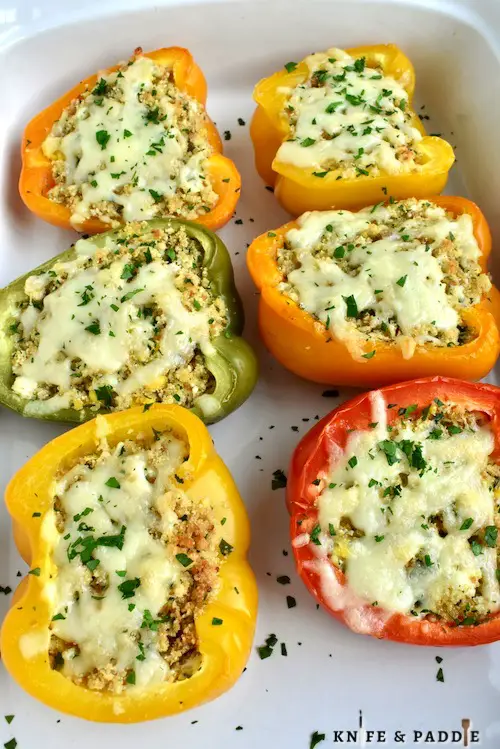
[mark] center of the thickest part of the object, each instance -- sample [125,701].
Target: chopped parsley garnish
[490,536]
[104,393]
[149,622]
[428,561]
[128,587]
[435,434]
[278,480]
[401,281]
[130,294]
[113,483]
[307,142]
[466,524]
[102,137]
[476,547]
[216,622]
[225,548]
[100,88]
[153,115]
[440,675]
[378,539]
[352,307]
[314,535]
[35,572]
[128,272]
[316,738]
[353,462]
[184,559]
[157,196]
[265,651]
[290,67]
[330,109]
[94,328]
[130,677]
[389,448]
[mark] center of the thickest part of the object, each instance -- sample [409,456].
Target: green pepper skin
[234,366]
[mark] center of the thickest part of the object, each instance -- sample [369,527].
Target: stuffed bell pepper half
[144,314]
[390,292]
[129,144]
[395,509]
[338,130]
[139,602]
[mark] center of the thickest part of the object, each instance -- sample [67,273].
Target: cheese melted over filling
[125,591]
[127,323]
[132,148]
[350,118]
[402,272]
[409,512]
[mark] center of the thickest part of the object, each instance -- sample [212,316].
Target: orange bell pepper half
[25,631]
[319,451]
[304,345]
[36,173]
[298,189]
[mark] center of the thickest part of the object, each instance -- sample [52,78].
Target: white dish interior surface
[329,674]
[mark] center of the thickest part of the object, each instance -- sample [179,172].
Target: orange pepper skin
[304,346]
[298,190]
[225,648]
[314,454]
[36,172]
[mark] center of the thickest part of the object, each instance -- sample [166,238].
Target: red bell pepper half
[318,452]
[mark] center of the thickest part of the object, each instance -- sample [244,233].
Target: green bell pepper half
[233,365]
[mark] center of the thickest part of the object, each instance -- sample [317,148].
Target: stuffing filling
[133,147]
[126,322]
[411,514]
[137,560]
[349,117]
[402,273]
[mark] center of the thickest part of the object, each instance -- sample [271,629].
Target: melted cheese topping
[393,260]
[399,558]
[350,118]
[98,324]
[128,151]
[114,576]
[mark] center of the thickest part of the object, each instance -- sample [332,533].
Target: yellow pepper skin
[297,189]
[25,631]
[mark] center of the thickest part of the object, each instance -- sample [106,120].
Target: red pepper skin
[313,454]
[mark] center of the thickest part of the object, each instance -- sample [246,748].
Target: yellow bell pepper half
[224,649]
[298,189]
